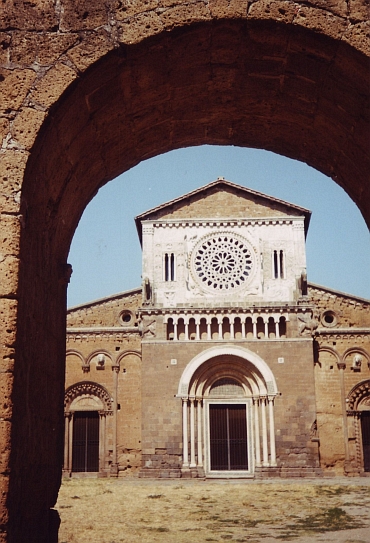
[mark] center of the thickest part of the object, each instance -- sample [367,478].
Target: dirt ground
[133,510]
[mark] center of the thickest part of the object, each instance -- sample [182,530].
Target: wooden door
[365,428]
[85,445]
[228,437]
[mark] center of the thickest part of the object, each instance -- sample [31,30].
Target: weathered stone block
[50,87]
[38,15]
[14,87]
[44,49]
[92,47]
[26,126]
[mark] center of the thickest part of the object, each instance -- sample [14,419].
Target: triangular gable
[223,199]
[105,311]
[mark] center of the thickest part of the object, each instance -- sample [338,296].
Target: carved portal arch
[86,400]
[88,389]
[358,398]
[358,411]
[217,385]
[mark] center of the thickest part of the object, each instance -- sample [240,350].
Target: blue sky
[106,255]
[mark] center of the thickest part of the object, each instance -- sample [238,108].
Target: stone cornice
[222,222]
[342,331]
[227,310]
[104,329]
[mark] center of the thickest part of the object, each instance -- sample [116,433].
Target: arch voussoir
[88,91]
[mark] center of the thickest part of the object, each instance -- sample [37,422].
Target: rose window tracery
[223,262]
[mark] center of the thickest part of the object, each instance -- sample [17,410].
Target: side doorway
[87,412]
[85,442]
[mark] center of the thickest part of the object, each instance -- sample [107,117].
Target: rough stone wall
[337,342]
[295,408]
[124,350]
[351,311]
[46,49]
[216,201]
[120,341]
[107,312]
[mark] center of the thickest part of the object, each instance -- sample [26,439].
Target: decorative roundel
[329,318]
[222,262]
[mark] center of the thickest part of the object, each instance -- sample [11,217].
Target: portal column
[265,457]
[257,432]
[272,431]
[101,440]
[199,436]
[70,444]
[192,433]
[185,450]
[67,418]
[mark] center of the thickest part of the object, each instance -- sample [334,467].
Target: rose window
[223,262]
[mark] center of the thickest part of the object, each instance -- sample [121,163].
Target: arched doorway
[228,396]
[358,411]
[86,408]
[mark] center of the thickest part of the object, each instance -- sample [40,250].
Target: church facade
[225,362]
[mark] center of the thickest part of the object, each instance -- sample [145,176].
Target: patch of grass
[160,529]
[330,520]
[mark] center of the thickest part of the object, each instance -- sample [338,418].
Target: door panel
[238,437]
[228,437]
[85,449]
[365,428]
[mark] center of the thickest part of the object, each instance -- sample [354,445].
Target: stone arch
[88,388]
[363,354]
[358,412]
[74,352]
[126,353]
[249,75]
[247,370]
[359,397]
[330,350]
[254,364]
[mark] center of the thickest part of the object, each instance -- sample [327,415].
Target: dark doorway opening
[85,448]
[365,428]
[228,437]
